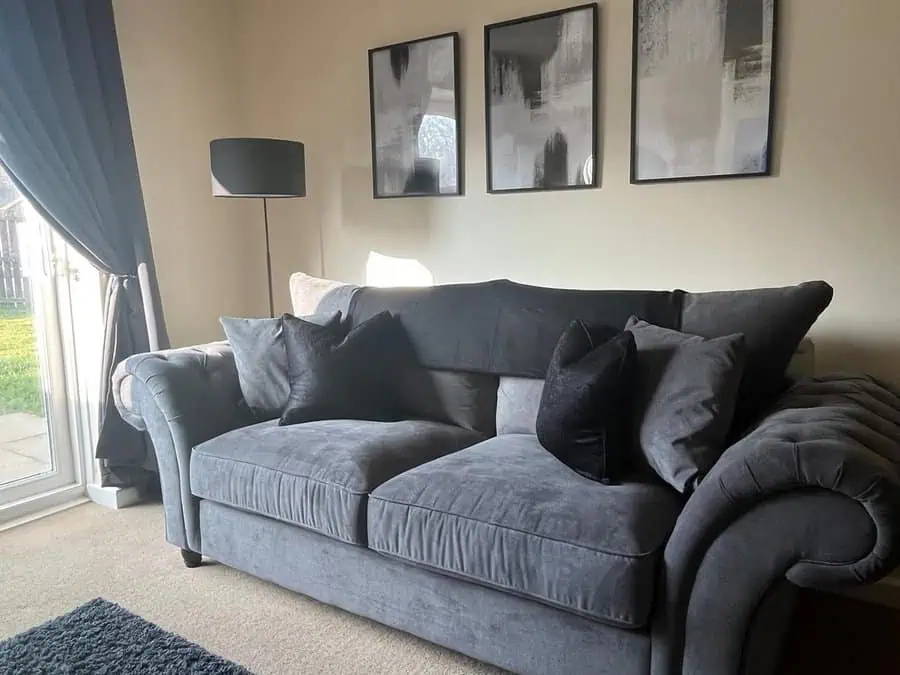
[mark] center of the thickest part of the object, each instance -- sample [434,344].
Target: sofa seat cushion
[507,514]
[318,474]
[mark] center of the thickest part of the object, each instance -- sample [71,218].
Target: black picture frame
[420,179]
[576,178]
[765,156]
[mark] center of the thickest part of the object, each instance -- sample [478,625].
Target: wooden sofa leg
[191,559]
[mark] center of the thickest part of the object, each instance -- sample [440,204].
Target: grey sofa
[483,542]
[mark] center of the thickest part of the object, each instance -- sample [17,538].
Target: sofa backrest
[502,327]
[509,329]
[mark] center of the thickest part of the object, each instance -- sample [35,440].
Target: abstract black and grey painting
[703,76]
[414,98]
[541,99]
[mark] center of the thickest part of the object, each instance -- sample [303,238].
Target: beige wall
[832,211]
[179,61]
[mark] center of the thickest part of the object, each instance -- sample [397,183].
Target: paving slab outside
[24,446]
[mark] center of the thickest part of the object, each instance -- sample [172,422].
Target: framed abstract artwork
[540,75]
[703,85]
[415,115]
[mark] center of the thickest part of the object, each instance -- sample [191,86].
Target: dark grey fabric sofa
[485,543]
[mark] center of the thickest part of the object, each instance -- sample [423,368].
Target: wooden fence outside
[15,290]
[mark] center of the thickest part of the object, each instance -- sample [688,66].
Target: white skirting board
[113,497]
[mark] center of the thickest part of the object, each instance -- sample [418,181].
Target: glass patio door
[38,462]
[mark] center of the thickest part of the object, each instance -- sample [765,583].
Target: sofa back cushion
[518,401]
[502,327]
[773,322]
[505,328]
[312,295]
[468,400]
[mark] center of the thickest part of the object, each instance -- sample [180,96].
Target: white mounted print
[703,85]
[414,104]
[540,77]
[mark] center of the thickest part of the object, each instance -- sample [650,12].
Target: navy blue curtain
[65,139]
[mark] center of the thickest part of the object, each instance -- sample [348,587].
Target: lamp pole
[268,259]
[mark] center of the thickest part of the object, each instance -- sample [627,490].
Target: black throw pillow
[582,419]
[333,376]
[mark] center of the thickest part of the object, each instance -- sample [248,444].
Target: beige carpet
[50,566]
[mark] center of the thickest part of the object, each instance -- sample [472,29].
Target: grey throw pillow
[261,360]
[685,398]
[773,321]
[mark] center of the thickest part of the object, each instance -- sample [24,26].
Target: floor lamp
[261,168]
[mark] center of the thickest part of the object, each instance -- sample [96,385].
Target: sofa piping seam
[292,523]
[621,623]
[294,475]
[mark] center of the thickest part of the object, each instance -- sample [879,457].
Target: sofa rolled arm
[181,397]
[811,494]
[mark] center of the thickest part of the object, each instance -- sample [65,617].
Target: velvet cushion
[687,388]
[333,376]
[468,400]
[502,327]
[506,514]
[518,402]
[582,416]
[773,322]
[317,475]
[261,360]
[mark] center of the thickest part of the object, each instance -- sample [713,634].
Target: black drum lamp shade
[264,168]
[267,168]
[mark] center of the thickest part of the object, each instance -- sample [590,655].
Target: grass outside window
[20,379]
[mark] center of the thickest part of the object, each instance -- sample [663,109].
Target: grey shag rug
[101,637]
